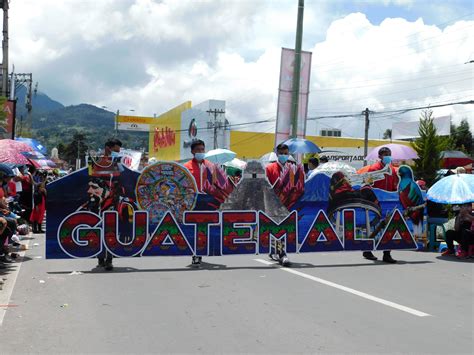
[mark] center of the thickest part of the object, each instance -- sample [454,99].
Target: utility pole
[366,136]
[26,80]
[296,71]
[4,4]
[116,122]
[216,124]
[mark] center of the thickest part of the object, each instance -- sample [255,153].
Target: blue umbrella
[6,170]
[453,190]
[33,143]
[220,156]
[300,145]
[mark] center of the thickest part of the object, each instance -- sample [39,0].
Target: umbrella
[399,152]
[331,167]
[220,156]
[453,190]
[33,143]
[5,170]
[301,145]
[236,163]
[10,152]
[39,161]
[455,158]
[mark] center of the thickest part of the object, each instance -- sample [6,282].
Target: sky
[149,56]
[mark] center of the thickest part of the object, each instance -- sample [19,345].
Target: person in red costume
[273,172]
[198,150]
[389,183]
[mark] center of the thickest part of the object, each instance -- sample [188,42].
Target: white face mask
[283,158]
[199,156]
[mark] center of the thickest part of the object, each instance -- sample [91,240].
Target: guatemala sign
[160,212]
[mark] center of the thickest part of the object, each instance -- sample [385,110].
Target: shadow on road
[205,266]
[454,259]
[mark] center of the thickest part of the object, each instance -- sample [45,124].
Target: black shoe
[368,255]
[6,259]
[100,262]
[388,258]
[108,265]
[196,260]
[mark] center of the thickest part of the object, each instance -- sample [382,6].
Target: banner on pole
[6,124]
[283,122]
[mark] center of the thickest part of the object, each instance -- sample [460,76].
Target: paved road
[330,302]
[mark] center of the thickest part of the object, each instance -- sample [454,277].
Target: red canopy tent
[454,158]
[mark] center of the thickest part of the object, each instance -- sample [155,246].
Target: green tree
[428,147]
[387,134]
[462,137]
[76,148]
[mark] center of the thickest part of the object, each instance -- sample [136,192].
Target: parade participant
[39,200]
[274,169]
[388,183]
[198,150]
[273,172]
[323,159]
[100,193]
[462,232]
[390,180]
[26,195]
[313,163]
[195,165]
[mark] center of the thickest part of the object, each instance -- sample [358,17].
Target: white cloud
[151,56]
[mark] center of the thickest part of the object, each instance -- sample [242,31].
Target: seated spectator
[462,232]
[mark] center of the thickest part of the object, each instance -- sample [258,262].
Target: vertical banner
[283,122]
[7,119]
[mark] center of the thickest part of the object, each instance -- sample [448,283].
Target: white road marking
[350,290]
[9,284]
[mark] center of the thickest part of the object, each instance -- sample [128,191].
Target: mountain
[78,116]
[54,124]
[41,102]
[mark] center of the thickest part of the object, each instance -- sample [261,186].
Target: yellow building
[252,145]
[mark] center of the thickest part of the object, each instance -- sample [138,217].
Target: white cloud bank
[151,56]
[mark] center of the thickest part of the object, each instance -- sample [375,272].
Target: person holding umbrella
[457,189]
[462,232]
[388,183]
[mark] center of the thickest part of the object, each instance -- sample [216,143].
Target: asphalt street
[325,303]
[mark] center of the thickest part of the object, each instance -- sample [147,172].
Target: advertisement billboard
[283,122]
[409,130]
[165,134]
[134,123]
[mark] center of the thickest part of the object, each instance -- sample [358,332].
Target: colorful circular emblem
[166,186]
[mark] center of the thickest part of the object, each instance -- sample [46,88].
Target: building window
[331,132]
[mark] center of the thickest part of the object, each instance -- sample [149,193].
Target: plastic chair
[433,223]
